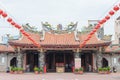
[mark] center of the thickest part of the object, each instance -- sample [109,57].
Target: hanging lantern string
[101,22]
[13,23]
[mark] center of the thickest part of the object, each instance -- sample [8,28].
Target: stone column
[19,58]
[41,59]
[99,58]
[77,60]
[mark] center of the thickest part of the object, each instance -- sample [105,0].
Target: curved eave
[21,44]
[98,44]
[7,51]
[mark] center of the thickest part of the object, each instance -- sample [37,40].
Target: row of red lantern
[13,23]
[101,22]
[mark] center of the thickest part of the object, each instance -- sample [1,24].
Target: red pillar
[73,68]
[45,69]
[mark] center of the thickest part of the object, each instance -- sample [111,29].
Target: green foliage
[20,69]
[100,69]
[108,68]
[41,69]
[12,68]
[76,70]
[81,69]
[104,69]
[15,69]
[36,69]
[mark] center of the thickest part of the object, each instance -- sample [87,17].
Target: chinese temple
[59,47]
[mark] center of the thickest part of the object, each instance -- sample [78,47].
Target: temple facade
[58,48]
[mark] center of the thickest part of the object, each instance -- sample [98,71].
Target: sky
[57,12]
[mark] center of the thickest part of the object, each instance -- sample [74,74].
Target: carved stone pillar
[41,59]
[99,58]
[19,58]
[77,60]
[76,55]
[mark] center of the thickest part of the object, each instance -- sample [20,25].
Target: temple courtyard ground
[59,76]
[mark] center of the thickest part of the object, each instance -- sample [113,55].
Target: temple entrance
[13,62]
[104,62]
[64,59]
[31,60]
[87,62]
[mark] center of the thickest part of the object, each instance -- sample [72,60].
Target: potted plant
[81,70]
[105,70]
[20,70]
[100,70]
[15,69]
[11,70]
[41,70]
[36,70]
[108,70]
[76,71]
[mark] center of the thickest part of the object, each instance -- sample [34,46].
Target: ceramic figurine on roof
[46,26]
[29,28]
[59,28]
[72,26]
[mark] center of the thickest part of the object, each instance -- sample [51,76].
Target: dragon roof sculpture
[59,28]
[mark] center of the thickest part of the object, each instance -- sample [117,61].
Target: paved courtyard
[59,76]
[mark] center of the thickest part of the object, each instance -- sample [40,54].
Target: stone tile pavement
[59,76]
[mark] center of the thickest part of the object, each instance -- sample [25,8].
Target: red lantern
[97,26]
[17,26]
[91,33]
[100,22]
[12,23]
[107,17]
[111,12]
[116,8]
[85,39]
[9,19]
[26,34]
[89,36]
[84,43]
[103,20]
[4,14]
[1,11]
[21,30]
[94,30]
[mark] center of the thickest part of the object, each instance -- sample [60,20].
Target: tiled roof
[59,39]
[5,48]
[24,39]
[112,49]
[93,40]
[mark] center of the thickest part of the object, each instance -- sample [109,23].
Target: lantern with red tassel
[21,30]
[12,23]
[111,12]
[107,17]
[94,30]
[91,33]
[89,36]
[4,14]
[9,19]
[1,11]
[17,26]
[97,26]
[116,8]
[100,22]
[103,20]
[26,34]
